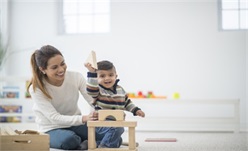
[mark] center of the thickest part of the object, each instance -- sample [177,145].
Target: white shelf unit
[26,115]
[188,115]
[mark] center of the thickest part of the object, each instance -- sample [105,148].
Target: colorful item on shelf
[176,95]
[11,92]
[10,119]
[150,95]
[10,109]
[27,95]
[13,100]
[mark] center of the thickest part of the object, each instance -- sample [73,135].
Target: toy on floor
[120,122]
[160,140]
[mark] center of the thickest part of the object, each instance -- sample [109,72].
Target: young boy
[102,85]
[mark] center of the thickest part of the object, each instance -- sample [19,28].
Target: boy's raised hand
[89,67]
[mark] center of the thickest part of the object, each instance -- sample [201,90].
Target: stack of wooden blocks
[120,122]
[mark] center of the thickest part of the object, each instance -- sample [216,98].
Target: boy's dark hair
[105,65]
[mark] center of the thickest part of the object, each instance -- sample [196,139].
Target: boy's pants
[109,137]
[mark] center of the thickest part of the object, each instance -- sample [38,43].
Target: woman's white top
[62,110]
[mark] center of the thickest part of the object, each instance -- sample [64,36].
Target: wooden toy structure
[120,122]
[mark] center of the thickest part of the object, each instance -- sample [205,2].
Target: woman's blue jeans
[71,138]
[68,138]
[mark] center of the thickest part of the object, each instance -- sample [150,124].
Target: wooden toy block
[131,134]
[117,114]
[92,59]
[127,144]
[28,140]
[112,123]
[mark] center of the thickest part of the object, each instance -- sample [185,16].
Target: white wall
[164,47]
[246,78]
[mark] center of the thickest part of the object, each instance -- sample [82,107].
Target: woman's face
[55,70]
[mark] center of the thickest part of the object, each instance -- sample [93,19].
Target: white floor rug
[191,141]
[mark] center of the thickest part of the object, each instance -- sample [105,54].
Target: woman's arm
[83,90]
[47,114]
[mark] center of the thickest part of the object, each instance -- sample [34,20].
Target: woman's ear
[42,70]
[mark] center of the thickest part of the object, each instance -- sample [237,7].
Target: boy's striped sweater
[105,98]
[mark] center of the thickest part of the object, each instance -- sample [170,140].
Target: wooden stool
[119,116]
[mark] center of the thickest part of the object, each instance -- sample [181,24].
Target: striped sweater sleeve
[92,85]
[130,106]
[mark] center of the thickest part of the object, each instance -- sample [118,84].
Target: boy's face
[106,78]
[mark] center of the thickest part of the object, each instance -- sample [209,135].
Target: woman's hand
[89,67]
[93,116]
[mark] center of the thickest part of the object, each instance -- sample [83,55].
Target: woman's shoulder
[74,75]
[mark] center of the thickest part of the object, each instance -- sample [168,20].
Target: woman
[55,93]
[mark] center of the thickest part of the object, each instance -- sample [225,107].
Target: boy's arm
[132,108]
[92,84]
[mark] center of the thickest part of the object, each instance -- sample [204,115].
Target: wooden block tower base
[119,116]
